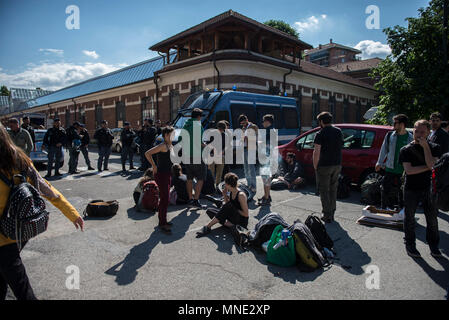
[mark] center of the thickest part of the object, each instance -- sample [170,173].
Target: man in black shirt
[127,137]
[147,136]
[418,158]
[27,127]
[84,148]
[73,145]
[327,163]
[104,139]
[438,135]
[53,141]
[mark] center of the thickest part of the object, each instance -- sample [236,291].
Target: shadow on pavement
[139,215]
[126,271]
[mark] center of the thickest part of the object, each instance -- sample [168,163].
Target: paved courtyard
[126,257]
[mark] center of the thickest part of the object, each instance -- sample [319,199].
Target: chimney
[320,46]
[331,41]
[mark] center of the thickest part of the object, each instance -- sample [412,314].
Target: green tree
[283,26]
[414,79]
[4,91]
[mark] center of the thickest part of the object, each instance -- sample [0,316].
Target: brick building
[360,69]
[331,54]
[225,51]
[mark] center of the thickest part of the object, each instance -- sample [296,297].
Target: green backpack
[282,256]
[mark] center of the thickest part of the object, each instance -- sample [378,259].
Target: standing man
[26,125]
[84,148]
[147,137]
[73,145]
[389,160]
[250,131]
[158,127]
[54,139]
[20,136]
[438,135]
[418,158]
[127,137]
[265,170]
[327,163]
[104,139]
[194,151]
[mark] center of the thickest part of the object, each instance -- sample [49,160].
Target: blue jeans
[250,171]
[54,156]
[103,154]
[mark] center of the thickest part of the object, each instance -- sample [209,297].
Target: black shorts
[198,171]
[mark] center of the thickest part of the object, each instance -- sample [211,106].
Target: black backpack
[24,216]
[442,182]
[264,228]
[319,232]
[344,187]
[371,192]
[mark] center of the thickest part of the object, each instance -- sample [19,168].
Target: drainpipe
[74,103]
[218,73]
[163,57]
[285,79]
[157,94]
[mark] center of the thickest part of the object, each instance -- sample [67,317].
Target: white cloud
[54,76]
[57,52]
[372,49]
[91,54]
[310,24]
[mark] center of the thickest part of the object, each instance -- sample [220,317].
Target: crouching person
[138,190]
[234,212]
[14,161]
[289,175]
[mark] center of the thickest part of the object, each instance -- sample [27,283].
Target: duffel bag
[282,256]
[101,208]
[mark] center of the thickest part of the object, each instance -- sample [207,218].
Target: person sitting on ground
[234,212]
[289,175]
[179,181]
[148,176]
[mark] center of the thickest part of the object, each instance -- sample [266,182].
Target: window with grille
[98,115]
[148,109]
[274,90]
[82,114]
[175,103]
[67,118]
[196,89]
[120,114]
[315,109]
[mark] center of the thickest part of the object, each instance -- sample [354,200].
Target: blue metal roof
[135,73]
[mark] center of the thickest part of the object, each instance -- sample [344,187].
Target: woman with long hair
[14,161]
[162,175]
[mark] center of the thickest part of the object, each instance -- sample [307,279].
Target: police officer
[127,137]
[73,145]
[104,139]
[84,148]
[147,136]
[27,127]
[54,139]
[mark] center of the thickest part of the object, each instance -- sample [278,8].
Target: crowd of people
[413,153]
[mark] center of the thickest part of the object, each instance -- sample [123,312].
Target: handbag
[101,208]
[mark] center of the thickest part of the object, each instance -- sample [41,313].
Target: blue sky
[38,50]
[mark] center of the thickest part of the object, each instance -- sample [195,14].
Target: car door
[304,154]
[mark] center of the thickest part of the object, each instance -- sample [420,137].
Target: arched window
[148,109]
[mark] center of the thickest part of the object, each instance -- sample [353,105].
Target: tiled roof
[220,19]
[329,46]
[132,74]
[315,69]
[356,65]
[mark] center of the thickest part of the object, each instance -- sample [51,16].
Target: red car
[362,143]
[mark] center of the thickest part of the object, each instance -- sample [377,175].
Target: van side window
[276,112]
[238,109]
[290,118]
[221,115]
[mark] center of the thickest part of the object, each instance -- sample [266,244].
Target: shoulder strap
[8,182]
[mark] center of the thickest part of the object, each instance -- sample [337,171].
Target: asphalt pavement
[127,257]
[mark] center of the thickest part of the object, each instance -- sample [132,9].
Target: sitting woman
[148,176]
[179,183]
[234,211]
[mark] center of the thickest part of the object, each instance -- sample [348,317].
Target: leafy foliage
[414,79]
[4,91]
[283,26]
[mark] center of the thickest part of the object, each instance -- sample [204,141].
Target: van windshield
[202,100]
[182,119]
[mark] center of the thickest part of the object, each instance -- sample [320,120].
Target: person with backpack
[53,141]
[104,139]
[73,145]
[14,161]
[389,160]
[418,159]
[162,175]
[127,137]
[147,176]
[234,212]
[327,163]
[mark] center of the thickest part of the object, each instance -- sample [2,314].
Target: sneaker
[196,204]
[191,204]
[412,252]
[436,253]
[132,168]
[326,219]
[106,169]
[48,175]
[58,174]
[90,168]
